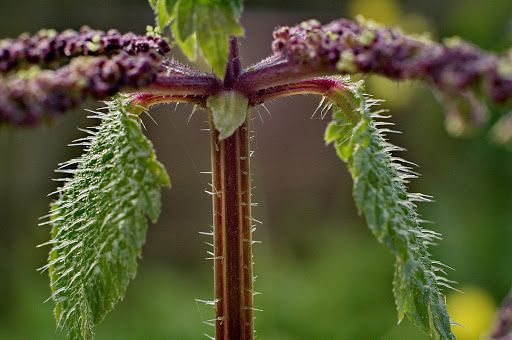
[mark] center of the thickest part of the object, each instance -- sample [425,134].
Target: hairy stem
[275,72]
[232,225]
[232,222]
[185,85]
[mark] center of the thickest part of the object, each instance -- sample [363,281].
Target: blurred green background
[321,273]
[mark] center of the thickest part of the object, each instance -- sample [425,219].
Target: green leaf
[188,46]
[163,12]
[211,22]
[186,18]
[213,32]
[237,6]
[214,46]
[380,194]
[229,110]
[163,17]
[99,221]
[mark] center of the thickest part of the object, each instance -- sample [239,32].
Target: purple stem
[275,72]
[232,223]
[185,85]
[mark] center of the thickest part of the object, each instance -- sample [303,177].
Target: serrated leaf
[210,22]
[213,33]
[229,109]
[99,221]
[380,194]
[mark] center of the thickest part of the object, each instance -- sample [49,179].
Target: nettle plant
[99,217]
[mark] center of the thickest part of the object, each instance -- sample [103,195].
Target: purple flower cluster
[50,73]
[349,47]
[28,99]
[50,49]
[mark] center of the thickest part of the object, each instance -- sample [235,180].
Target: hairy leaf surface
[99,221]
[380,194]
[204,23]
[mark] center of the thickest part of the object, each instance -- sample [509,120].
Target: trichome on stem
[49,73]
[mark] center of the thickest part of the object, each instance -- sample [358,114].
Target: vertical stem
[232,227]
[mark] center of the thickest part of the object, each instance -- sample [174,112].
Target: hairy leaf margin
[381,196]
[99,220]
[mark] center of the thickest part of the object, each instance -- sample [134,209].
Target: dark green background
[322,274]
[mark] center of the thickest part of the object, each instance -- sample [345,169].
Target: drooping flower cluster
[50,49]
[25,101]
[51,73]
[350,47]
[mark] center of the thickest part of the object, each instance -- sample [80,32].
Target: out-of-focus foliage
[294,304]
[476,307]
[305,294]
